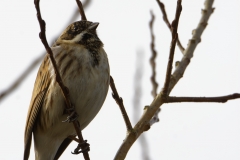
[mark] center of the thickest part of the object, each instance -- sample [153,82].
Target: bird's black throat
[93,44]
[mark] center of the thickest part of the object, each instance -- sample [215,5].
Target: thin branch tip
[81,10]
[165,19]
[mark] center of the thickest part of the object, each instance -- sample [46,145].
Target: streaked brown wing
[40,89]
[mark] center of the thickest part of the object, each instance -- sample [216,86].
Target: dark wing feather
[62,147]
[40,89]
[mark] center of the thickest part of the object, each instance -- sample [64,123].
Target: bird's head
[80,32]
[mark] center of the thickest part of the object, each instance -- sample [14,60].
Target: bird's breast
[87,84]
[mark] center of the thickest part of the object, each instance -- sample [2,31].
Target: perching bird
[84,68]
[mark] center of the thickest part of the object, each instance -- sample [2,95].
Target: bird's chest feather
[87,83]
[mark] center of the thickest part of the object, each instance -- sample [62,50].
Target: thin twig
[155,118]
[165,19]
[153,58]
[64,89]
[119,101]
[221,99]
[174,27]
[30,68]
[80,6]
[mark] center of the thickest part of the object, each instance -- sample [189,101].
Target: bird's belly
[87,93]
[88,96]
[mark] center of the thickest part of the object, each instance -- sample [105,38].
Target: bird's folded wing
[40,89]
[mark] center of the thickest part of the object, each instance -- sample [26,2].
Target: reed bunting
[84,68]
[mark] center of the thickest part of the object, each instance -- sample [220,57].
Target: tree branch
[83,145]
[221,99]
[119,101]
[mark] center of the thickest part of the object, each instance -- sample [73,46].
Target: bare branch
[174,28]
[153,58]
[165,19]
[119,101]
[221,99]
[64,89]
[155,118]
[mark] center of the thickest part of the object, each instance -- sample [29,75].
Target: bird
[84,68]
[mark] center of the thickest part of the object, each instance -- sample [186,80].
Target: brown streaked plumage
[84,68]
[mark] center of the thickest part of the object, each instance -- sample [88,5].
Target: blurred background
[186,130]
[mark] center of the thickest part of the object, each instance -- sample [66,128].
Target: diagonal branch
[119,101]
[165,18]
[64,89]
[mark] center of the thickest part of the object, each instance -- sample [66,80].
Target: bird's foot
[72,116]
[82,147]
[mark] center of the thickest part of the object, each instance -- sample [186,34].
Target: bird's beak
[93,26]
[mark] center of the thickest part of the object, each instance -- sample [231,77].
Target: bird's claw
[72,117]
[82,147]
